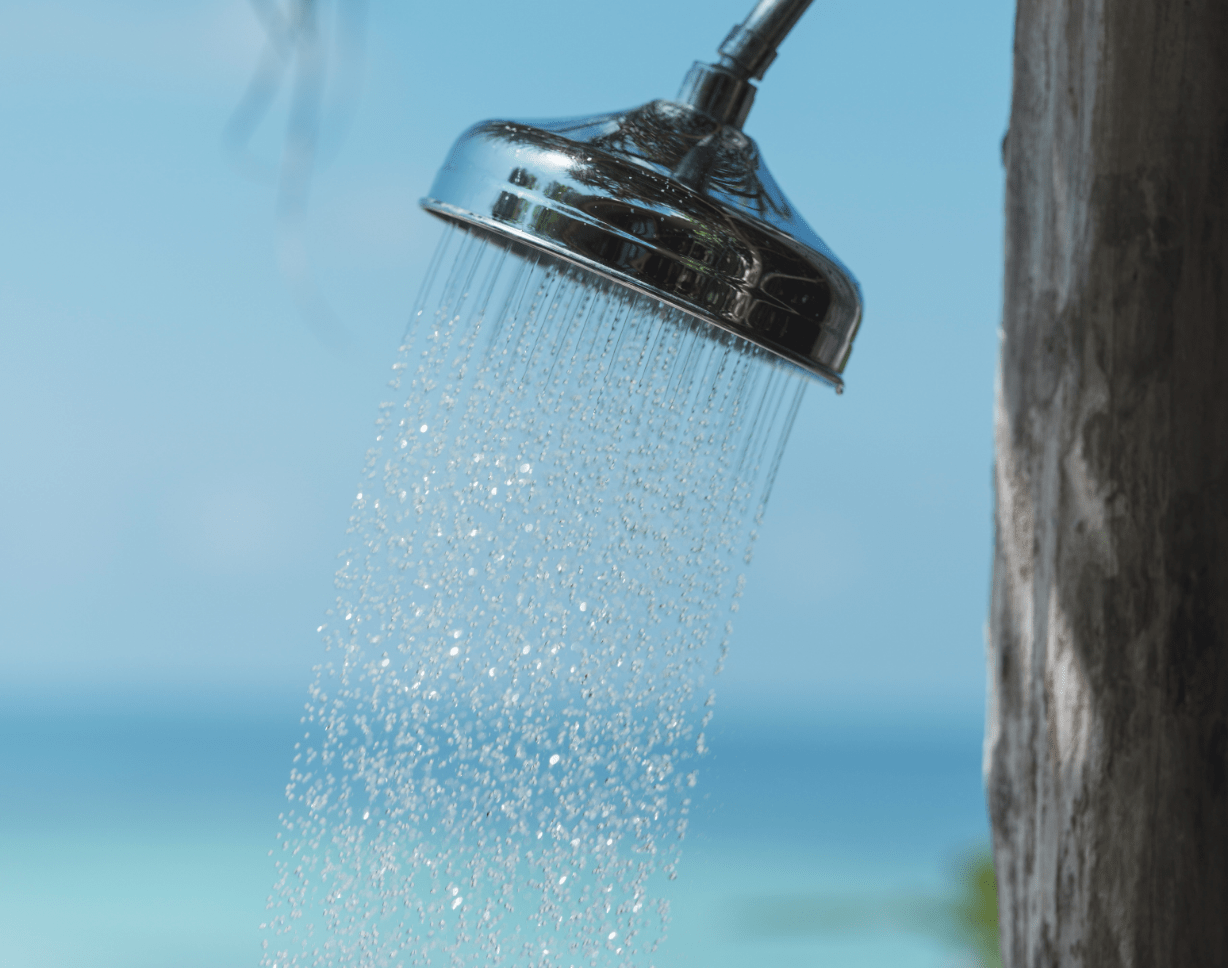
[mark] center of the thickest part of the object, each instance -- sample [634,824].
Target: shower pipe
[751,45]
[670,199]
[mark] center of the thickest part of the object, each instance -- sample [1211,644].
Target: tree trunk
[1107,735]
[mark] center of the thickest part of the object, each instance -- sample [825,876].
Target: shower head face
[667,201]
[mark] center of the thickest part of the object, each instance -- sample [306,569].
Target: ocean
[141,840]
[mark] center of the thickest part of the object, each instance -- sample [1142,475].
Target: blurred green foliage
[965,917]
[975,908]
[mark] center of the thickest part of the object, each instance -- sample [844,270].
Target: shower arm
[751,46]
[723,90]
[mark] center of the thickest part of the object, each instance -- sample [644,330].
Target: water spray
[550,537]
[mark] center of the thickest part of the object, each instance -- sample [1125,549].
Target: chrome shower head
[670,199]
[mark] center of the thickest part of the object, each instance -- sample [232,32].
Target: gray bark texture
[1106,747]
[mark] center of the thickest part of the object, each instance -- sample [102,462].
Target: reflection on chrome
[671,199]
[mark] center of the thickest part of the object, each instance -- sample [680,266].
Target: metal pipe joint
[723,90]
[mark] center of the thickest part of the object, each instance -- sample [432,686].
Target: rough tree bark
[1107,737]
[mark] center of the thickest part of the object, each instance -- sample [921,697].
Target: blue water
[142,841]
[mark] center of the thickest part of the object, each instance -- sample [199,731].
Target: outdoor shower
[672,200]
[586,416]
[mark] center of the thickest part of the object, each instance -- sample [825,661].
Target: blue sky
[180,448]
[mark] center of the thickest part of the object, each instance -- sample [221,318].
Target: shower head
[670,199]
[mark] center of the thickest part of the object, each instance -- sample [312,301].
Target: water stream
[548,545]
